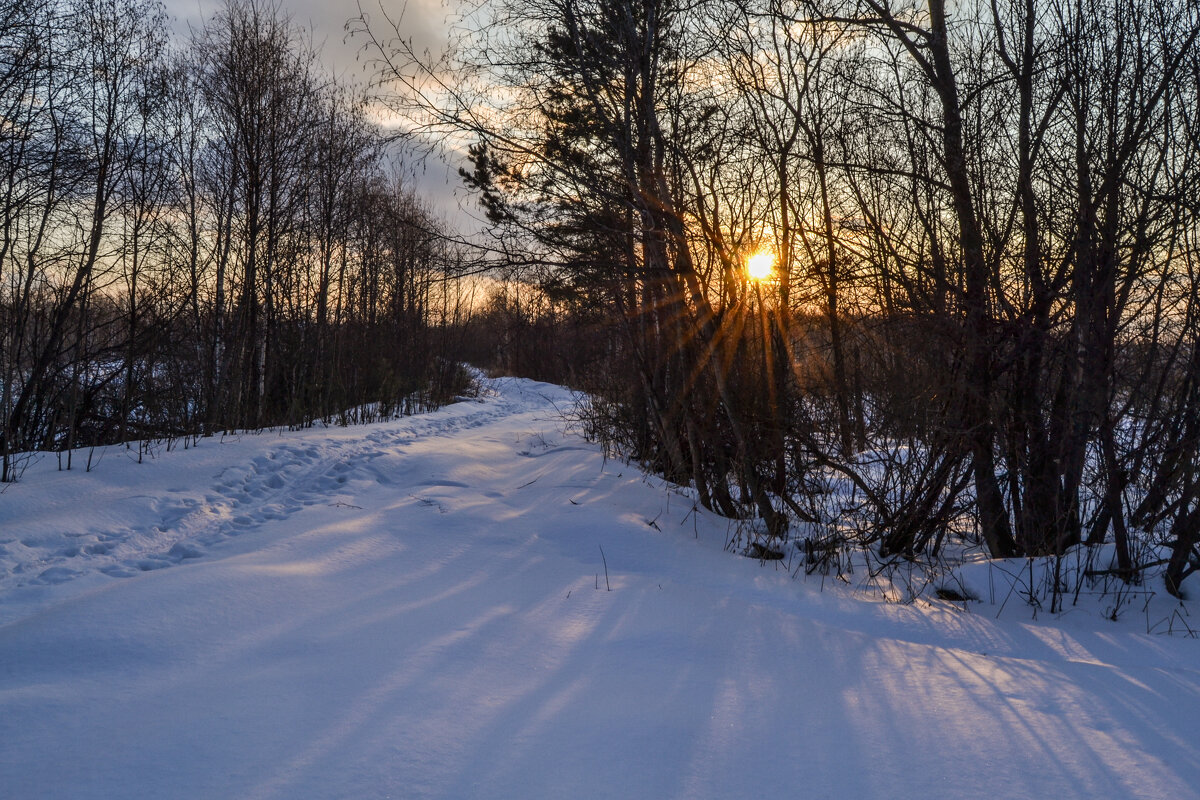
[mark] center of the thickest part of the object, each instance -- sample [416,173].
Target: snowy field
[420,608]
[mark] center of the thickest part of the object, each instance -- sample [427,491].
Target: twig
[605,560]
[1122,573]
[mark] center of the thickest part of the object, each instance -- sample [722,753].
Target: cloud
[426,22]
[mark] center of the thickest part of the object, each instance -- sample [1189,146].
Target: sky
[425,21]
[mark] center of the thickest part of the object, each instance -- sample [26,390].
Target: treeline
[197,235]
[985,314]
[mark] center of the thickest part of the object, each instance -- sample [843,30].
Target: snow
[419,608]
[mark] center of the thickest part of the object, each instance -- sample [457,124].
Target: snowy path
[411,610]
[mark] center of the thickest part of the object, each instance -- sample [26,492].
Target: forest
[879,275]
[982,314]
[199,235]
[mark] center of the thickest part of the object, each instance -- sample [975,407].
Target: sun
[760,266]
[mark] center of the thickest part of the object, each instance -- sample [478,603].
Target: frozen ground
[420,609]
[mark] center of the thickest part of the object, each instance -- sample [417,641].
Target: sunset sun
[760,266]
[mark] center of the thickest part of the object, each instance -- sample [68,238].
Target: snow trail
[418,609]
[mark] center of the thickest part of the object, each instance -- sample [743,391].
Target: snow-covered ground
[420,608]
